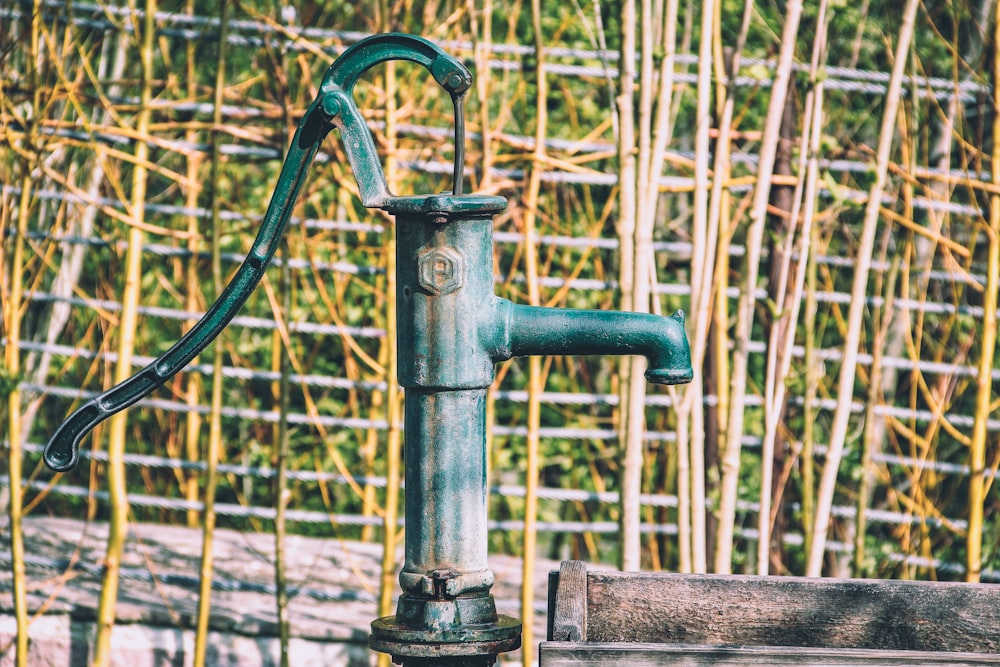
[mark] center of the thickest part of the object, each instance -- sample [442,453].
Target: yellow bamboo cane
[192,421]
[536,381]
[390,531]
[630,442]
[984,377]
[11,375]
[128,325]
[12,371]
[215,408]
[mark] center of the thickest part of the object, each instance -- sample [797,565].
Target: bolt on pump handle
[333,107]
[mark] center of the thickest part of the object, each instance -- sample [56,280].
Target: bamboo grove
[815,184]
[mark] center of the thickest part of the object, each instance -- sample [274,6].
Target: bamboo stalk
[536,380]
[128,325]
[689,418]
[482,40]
[369,500]
[281,492]
[848,368]
[719,360]
[369,451]
[482,43]
[393,398]
[10,379]
[12,370]
[867,481]
[642,206]
[281,354]
[779,328]
[631,470]
[805,288]
[634,381]
[782,338]
[984,381]
[745,309]
[706,317]
[192,390]
[661,37]
[663,127]
[214,450]
[392,394]
[811,364]
[920,249]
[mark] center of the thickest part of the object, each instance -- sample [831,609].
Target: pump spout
[529,330]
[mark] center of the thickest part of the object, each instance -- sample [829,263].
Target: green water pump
[452,329]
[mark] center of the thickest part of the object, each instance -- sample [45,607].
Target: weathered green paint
[452,330]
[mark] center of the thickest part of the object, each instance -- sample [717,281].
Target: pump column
[445,308]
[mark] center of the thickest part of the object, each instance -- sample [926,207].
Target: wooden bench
[645,619]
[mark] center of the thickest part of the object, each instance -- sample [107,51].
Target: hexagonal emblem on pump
[440,270]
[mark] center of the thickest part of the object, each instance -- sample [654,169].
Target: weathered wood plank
[626,654]
[569,612]
[550,607]
[793,611]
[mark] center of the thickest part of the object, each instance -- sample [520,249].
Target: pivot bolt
[440,270]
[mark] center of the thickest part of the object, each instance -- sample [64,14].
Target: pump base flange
[405,641]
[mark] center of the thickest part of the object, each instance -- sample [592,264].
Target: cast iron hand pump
[452,330]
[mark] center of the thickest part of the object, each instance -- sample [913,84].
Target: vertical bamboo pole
[713,279]
[12,372]
[369,453]
[392,393]
[659,35]
[482,40]
[128,324]
[283,350]
[369,503]
[745,309]
[192,420]
[644,192]
[984,378]
[691,426]
[215,408]
[875,385]
[848,367]
[663,127]
[536,381]
[281,493]
[393,398]
[642,275]
[812,372]
[779,328]
[781,337]
[662,131]
[631,442]
[805,287]
[483,89]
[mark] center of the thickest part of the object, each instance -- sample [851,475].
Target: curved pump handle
[333,107]
[336,98]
